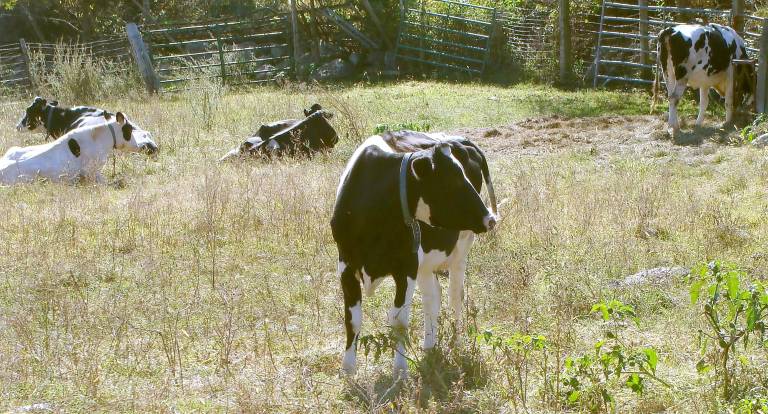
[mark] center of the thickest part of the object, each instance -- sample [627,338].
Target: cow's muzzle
[149,149]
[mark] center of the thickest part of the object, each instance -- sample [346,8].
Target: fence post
[27,64]
[297,52]
[222,62]
[599,44]
[141,54]
[377,23]
[564,20]
[737,16]
[644,48]
[761,97]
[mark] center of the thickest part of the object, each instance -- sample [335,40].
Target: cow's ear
[120,118]
[306,113]
[422,167]
[107,115]
[54,103]
[40,101]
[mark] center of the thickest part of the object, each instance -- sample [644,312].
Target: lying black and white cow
[78,154]
[44,116]
[391,179]
[290,136]
[702,57]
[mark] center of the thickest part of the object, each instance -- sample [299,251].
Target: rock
[355,58]
[656,275]
[761,141]
[265,75]
[334,70]
[34,408]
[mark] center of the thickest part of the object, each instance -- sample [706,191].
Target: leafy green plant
[413,126]
[588,378]
[734,309]
[516,354]
[752,405]
[752,131]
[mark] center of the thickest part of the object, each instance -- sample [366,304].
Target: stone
[334,70]
[655,275]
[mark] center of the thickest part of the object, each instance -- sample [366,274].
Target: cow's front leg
[430,293]
[456,275]
[353,314]
[703,103]
[398,319]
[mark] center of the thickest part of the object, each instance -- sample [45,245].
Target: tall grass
[71,73]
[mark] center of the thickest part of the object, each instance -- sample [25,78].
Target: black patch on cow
[680,71]
[699,62]
[127,131]
[700,43]
[720,53]
[57,120]
[74,147]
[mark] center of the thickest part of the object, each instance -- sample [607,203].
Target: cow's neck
[99,148]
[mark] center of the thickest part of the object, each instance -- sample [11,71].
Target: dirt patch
[641,136]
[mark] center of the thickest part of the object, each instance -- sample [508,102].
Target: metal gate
[626,51]
[446,34]
[246,51]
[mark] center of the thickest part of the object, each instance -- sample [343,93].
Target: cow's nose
[490,222]
[149,149]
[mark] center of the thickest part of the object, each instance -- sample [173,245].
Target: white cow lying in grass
[79,154]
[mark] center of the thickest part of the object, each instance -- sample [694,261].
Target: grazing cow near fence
[407,205]
[290,136]
[47,116]
[78,154]
[703,57]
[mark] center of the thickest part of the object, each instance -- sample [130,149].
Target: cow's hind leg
[430,293]
[703,103]
[674,99]
[353,315]
[398,319]
[729,95]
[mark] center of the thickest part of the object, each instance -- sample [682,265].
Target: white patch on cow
[375,140]
[457,274]
[234,153]
[56,162]
[369,285]
[349,364]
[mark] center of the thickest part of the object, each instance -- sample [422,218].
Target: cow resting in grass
[290,137]
[78,154]
[47,116]
[395,185]
[703,57]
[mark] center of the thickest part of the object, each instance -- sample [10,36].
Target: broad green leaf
[702,366]
[733,285]
[695,290]
[573,396]
[653,358]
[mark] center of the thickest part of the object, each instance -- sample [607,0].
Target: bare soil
[638,136]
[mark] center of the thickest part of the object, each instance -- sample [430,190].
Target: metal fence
[246,51]
[14,65]
[529,34]
[445,34]
[626,49]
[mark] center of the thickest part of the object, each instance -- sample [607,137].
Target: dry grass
[197,287]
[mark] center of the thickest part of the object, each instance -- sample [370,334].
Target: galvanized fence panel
[626,48]
[445,34]
[14,71]
[246,51]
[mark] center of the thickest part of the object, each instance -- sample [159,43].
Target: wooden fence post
[644,48]
[564,20]
[761,95]
[27,63]
[141,54]
[737,16]
[297,52]
[315,43]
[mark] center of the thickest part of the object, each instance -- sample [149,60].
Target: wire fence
[14,71]
[530,35]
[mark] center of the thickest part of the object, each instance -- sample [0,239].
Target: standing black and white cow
[702,57]
[395,186]
[305,136]
[44,116]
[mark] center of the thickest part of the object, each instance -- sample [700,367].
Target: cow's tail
[487,178]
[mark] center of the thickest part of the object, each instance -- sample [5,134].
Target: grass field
[189,286]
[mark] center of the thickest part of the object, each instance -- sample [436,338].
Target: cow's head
[744,83]
[447,197]
[34,116]
[321,135]
[134,139]
[314,108]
